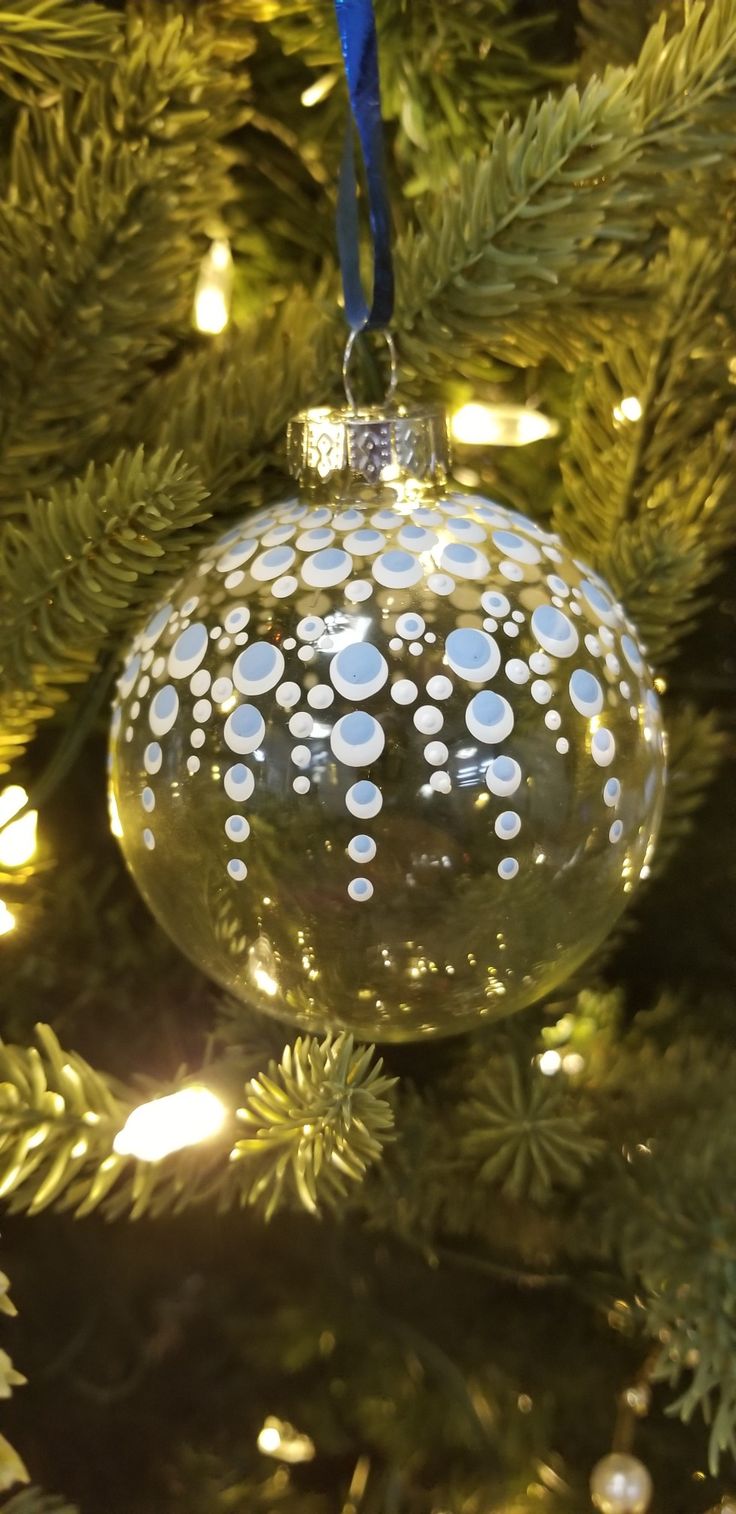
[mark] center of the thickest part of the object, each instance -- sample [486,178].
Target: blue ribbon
[357,27]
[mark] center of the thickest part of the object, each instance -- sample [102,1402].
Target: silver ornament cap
[621,1484]
[390,444]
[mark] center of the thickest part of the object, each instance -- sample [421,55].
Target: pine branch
[319,1120]
[47,44]
[652,500]
[697,747]
[98,549]
[524,1133]
[110,194]
[526,220]
[33,1501]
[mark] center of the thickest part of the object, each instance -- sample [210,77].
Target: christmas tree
[446,1277]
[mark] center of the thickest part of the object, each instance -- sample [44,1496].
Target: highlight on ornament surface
[8,921]
[388,758]
[478,425]
[621,1484]
[17,837]
[156,1129]
[213,294]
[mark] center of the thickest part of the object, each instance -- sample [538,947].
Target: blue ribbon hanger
[357,27]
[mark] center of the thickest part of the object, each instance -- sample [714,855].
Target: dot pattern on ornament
[330,611]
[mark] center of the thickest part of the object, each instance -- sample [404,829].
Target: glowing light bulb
[214,289]
[17,840]
[265,982]
[279,1439]
[7,919]
[549,1063]
[478,425]
[629,409]
[180,1119]
[319,89]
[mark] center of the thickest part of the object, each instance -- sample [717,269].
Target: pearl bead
[620,1484]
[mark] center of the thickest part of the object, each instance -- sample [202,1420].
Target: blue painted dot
[398,562]
[467,648]
[246,720]
[364,792]
[457,553]
[504,769]
[357,728]
[362,843]
[278,557]
[508,541]
[367,538]
[165,702]
[328,558]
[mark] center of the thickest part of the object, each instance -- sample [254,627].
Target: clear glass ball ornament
[388,757]
[621,1484]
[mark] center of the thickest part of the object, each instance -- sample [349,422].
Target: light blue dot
[467,648]
[191,643]
[362,843]
[277,557]
[551,623]
[257,661]
[508,541]
[367,538]
[597,598]
[456,552]
[364,792]
[156,624]
[504,769]
[328,558]
[360,886]
[359,664]
[246,720]
[612,791]
[357,728]
[166,702]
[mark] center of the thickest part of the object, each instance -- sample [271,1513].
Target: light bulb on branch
[157,1128]
[480,425]
[7,919]
[213,294]
[17,837]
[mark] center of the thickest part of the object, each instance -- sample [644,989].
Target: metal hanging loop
[393,371]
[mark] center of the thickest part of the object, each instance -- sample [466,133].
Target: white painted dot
[511,628]
[553,720]
[436,753]
[282,587]
[237,619]
[562,744]
[149,839]
[404,691]
[503,776]
[360,889]
[541,691]
[415,648]
[237,869]
[197,738]
[357,739]
[301,724]
[301,785]
[603,747]
[310,628]
[238,782]
[362,849]
[441,783]
[593,645]
[428,719]
[233,580]
[616,831]
[288,694]
[202,710]
[489,717]
[237,828]
[410,625]
[364,799]
[508,867]
[193,765]
[439,687]
[199,682]
[301,756]
[516,670]
[222,689]
[507,825]
[320,697]
[495,604]
[305,654]
[359,590]
[540,663]
[244,729]
[611,792]
[440,583]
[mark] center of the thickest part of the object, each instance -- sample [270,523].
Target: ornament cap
[369,445]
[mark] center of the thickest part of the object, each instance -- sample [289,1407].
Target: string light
[213,294]
[17,840]
[321,87]
[7,919]
[478,425]
[549,1063]
[180,1119]
[628,410]
[278,1439]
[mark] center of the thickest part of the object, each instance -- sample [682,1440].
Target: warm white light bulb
[279,1439]
[214,289]
[116,824]
[17,840]
[477,425]
[628,409]
[549,1063]
[7,919]
[180,1119]
[321,87]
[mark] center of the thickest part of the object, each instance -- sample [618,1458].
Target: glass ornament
[388,758]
